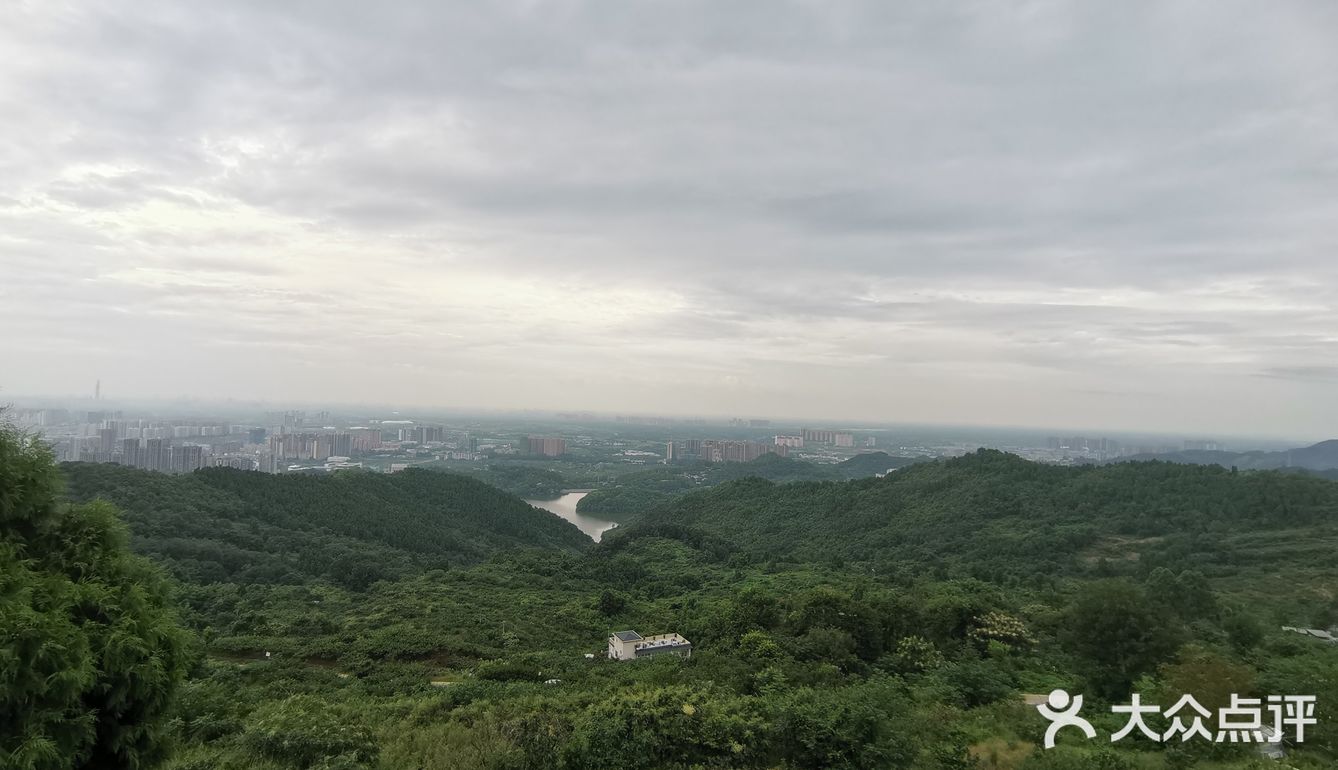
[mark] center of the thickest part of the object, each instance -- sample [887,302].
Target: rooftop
[627,636]
[662,643]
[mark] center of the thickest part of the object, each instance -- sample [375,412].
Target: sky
[998,213]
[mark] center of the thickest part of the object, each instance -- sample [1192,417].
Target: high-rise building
[234,461]
[366,439]
[187,458]
[323,446]
[424,434]
[278,445]
[669,452]
[158,454]
[546,445]
[130,454]
[819,436]
[106,443]
[794,442]
[844,439]
[343,444]
[738,451]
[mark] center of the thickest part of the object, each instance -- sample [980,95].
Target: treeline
[636,493]
[351,528]
[520,479]
[996,516]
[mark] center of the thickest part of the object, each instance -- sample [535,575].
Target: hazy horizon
[1041,214]
[184,407]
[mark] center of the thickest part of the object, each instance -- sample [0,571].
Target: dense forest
[521,480]
[424,620]
[993,515]
[634,494]
[351,528]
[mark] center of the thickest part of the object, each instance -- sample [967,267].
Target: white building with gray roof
[629,645]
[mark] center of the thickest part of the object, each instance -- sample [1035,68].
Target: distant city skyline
[323,441]
[196,409]
[1058,215]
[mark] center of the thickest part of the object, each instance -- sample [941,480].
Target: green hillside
[993,515]
[873,464]
[353,528]
[424,620]
[636,493]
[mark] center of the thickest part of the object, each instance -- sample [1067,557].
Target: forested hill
[995,515]
[637,493]
[872,464]
[1318,457]
[352,528]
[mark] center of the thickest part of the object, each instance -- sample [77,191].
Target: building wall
[620,650]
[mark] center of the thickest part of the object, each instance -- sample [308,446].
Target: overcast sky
[1117,215]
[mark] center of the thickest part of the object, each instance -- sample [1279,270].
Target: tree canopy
[91,650]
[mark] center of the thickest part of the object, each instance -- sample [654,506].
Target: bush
[306,732]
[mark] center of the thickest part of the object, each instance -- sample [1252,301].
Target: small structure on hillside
[1272,747]
[629,645]
[1317,633]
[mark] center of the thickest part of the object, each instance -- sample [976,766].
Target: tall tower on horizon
[97,390]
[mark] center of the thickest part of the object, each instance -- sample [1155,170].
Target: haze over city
[1042,214]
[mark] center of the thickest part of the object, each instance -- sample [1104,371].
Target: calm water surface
[565,507]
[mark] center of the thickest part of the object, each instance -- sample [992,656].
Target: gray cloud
[853,208]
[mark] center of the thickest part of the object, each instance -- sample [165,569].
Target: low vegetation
[424,620]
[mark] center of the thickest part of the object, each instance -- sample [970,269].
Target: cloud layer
[1047,213]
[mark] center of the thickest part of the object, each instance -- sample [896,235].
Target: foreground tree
[90,650]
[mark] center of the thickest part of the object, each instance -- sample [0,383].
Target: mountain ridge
[1322,456]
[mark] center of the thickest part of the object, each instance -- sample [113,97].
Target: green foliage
[1306,669]
[915,655]
[508,671]
[1067,758]
[423,620]
[998,517]
[307,732]
[1187,594]
[637,493]
[1118,635]
[861,727]
[90,652]
[450,746]
[666,727]
[611,603]
[524,481]
[977,682]
[352,529]
[1207,675]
